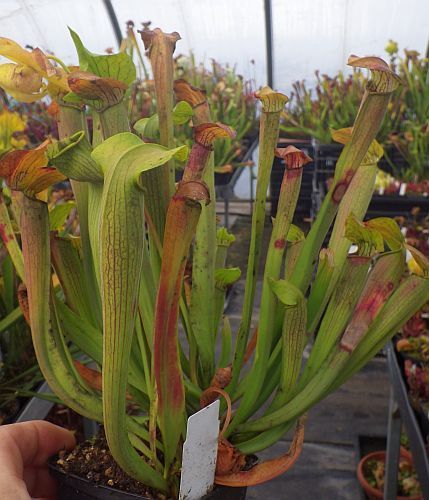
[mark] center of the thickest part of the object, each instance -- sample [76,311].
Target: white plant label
[402,189]
[200,453]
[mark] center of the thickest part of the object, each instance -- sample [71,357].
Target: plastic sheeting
[321,34]
[307,34]
[43,23]
[230,31]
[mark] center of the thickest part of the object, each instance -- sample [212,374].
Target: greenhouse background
[214,249]
[306,36]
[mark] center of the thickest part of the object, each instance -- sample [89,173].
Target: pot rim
[63,476]
[380,455]
[61,472]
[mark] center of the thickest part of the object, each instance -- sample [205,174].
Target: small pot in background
[374,493]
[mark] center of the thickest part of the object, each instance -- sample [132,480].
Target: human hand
[24,450]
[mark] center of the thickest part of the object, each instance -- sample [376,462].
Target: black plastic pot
[404,356]
[71,487]
[396,159]
[389,205]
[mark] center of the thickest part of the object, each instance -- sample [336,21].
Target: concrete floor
[326,469]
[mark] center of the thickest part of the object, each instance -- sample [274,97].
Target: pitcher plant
[139,287]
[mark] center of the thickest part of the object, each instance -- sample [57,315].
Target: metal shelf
[401,412]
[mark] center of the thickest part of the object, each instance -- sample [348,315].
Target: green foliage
[19,372]
[116,286]
[118,66]
[59,214]
[334,102]
[230,99]
[149,127]
[285,292]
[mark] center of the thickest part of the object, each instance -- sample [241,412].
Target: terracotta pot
[373,493]
[71,487]
[406,454]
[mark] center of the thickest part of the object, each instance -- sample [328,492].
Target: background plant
[22,125]
[418,381]
[332,104]
[230,97]
[335,100]
[408,484]
[18,367]
[19,372]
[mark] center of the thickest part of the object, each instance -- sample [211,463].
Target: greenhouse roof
[306,35]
